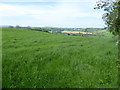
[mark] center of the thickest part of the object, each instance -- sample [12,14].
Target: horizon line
[46,26]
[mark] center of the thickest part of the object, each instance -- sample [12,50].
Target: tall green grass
[34,59]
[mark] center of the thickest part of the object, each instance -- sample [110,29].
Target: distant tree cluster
[17,26]
[11,26]
[28,27]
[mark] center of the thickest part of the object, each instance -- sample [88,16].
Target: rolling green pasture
[35,59]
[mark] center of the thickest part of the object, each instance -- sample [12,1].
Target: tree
[11,26]
[111,15]
[17,26]
[28,27]
[86,30]
[112,20]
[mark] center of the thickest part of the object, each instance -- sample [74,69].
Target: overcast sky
[55,13]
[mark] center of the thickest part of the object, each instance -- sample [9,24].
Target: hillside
[35,59]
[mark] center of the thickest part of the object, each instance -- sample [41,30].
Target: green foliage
[28,27]
[34,59]
[17,26]
[112,15]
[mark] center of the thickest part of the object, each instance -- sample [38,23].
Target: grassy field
[35,59]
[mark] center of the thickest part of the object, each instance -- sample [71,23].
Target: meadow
[36,59]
